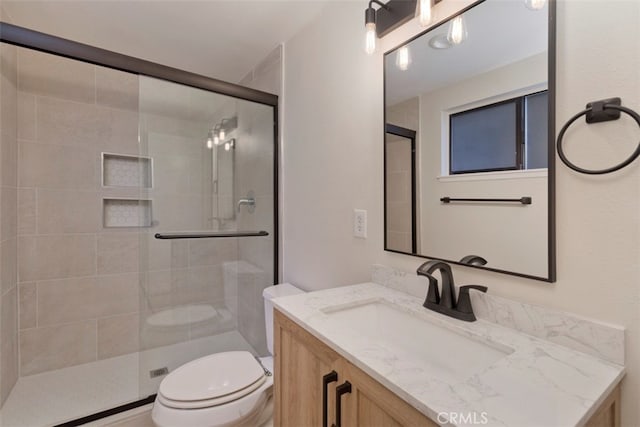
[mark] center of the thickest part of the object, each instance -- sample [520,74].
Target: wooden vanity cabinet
[608,413]
[298,388]
[301,361]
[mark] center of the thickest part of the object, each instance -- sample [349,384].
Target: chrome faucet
[250,201]
[444,301]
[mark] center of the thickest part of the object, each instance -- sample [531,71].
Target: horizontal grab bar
[524,200]
[210,235]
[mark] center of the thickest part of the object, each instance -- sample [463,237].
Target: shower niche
[121,171]
[119,213]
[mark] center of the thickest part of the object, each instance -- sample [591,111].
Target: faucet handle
[480,288]
[464,301]
[473,260]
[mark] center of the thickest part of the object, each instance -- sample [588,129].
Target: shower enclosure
[145,226]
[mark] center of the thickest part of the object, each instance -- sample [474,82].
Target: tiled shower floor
[53,397]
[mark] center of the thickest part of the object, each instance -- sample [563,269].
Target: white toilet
[232,388]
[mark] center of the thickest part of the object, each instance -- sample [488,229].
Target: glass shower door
[210,165]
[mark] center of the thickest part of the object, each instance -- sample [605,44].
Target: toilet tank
[268,294]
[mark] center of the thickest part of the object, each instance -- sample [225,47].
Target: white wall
[332,151]
[333,163]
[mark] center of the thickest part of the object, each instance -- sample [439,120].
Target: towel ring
[597,112]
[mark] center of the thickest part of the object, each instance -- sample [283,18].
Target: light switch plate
[360,223]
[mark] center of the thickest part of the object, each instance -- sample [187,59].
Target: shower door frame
[42,42]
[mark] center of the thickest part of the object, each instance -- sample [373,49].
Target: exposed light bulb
[222,133]
[457,30]
[209,142]
[535,4]
[216,140]
[370,38]
[403,58]
[424,12]
[227,146]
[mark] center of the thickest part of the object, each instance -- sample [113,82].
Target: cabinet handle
[343,388]
[326,379]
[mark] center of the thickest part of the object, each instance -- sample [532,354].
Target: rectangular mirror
[469,140]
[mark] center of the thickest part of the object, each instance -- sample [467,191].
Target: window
[507,135]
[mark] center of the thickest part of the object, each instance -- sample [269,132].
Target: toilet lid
[212,380]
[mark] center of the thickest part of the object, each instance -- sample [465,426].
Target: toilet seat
[236,403]
[212,380]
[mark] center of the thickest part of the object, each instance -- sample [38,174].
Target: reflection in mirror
[479,104]
[400,178]
[223,168]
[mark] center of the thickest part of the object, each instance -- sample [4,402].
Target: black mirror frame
[551,170]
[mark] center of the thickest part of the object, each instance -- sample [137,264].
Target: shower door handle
[326,379]
[343,388]
[209,234]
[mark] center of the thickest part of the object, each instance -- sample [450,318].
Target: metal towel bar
[210,234]
[524,200]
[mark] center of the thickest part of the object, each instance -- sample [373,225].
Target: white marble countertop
[537,382]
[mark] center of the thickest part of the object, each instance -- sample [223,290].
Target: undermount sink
[447,354]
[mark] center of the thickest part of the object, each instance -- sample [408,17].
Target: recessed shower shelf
[121,170]
[118,213]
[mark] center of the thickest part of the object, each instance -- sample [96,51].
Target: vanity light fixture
[216,138]
[226,126]
[534,4]
[457,30]
[390,15]
[220,131]
[229,144]
[403,58]
[209,141]
[424,12]
[370,27]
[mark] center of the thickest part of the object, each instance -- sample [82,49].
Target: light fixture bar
[230,124]
[393,14]
[396,13]
[220,131]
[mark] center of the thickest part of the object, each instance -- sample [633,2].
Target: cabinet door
[301,361]
[373,405]
[608,414]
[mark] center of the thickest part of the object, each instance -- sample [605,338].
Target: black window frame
[519,151]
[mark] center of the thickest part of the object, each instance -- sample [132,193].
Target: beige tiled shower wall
[74,275]
[398,153]
[86,291]
[8,220]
